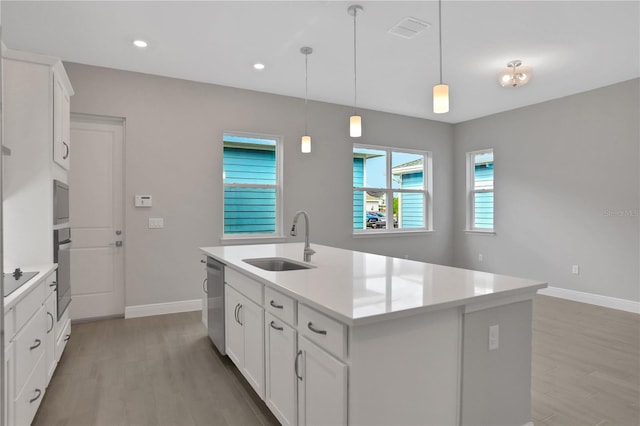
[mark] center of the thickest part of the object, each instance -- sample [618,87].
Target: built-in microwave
[60,203]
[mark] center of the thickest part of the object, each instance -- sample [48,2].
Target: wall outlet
[494,337]
[575,269]
[156,222]
[480,257]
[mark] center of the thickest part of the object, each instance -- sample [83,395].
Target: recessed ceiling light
[140,43]
[259,66]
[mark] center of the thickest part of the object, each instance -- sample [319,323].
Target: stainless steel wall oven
[61,256]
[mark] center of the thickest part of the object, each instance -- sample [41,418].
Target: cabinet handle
[203,261]
[235,312]
[37,343]
[52,322]
[66,146]
[53,284]
[34,399]
[315,330]
[67,337]
[275,305]
[275,327]
[295,365]
[204,285]
[239,308]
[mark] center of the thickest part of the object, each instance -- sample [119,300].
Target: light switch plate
[156,222]
[494,337]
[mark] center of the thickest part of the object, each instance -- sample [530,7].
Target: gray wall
[566,192]
[173,151]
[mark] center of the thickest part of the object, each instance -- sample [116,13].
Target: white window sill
[231,241]
[370,234]
[479,232]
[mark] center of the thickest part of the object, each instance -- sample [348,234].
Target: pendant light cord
[306,89]
[440,35]
[355,67]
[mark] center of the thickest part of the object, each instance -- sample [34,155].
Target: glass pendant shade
[305,144]
[355,126]
[440,98]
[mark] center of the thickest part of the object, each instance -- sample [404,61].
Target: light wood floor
[164,371]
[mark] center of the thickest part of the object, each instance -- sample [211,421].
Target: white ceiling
[573,46]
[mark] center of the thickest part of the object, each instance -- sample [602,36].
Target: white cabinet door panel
[252,319]
[322,392]
[234,334]
[280,355]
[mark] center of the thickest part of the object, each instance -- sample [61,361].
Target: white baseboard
[162,308]
[593,299]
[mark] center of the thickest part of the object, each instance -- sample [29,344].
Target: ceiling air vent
[409,27]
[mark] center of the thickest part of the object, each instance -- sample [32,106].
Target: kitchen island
[364,339]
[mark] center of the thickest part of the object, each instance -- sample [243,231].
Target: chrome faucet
[308,251]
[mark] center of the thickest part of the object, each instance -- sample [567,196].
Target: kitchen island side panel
[406,371]
[497,383]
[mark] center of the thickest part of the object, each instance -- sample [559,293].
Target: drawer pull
[275,327]
[52,322]
[204,285]
[67,337]
[66,154]
[37,343]
[275,305]
[53,284]
[34,399]
[295,365]
[315,330]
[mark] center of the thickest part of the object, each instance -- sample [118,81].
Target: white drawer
[243,284]
[280,305]
[28,401]
[9,325]
[326,332]
[58,328]
[62,340]
[29,346]
[50,284]
[29,305]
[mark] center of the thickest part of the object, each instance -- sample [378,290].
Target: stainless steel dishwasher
[215,303]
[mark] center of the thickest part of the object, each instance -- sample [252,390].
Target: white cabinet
[244,333]
[61,122]
[8,385]
[31,82]
[281,382]
[50,337]
[322,387]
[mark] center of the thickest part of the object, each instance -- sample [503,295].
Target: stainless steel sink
[276,264]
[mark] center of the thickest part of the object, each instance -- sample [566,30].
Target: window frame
[426,191]
[471,191]
[277,235]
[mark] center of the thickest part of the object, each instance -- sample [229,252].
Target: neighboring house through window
[480,191]
[391,190]
[252,189]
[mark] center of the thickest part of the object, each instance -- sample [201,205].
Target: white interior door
[96,217]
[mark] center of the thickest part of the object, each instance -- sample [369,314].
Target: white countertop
[20,293]
[358,288]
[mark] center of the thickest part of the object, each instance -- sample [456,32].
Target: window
[252,193]
[391,190]
[480,190]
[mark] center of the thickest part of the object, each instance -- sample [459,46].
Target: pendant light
[440,91]
[305,143]
[355,121]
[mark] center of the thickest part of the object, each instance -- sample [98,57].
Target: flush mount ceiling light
[140,43]
[514,75]
[305,143]
[258,66]
[355,121]
[440,91]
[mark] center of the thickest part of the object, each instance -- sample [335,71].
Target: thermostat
[144,201]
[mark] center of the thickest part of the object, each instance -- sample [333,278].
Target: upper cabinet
[61,120]
[36,110]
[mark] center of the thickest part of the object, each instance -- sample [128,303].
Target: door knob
[117,244]
[118,232]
